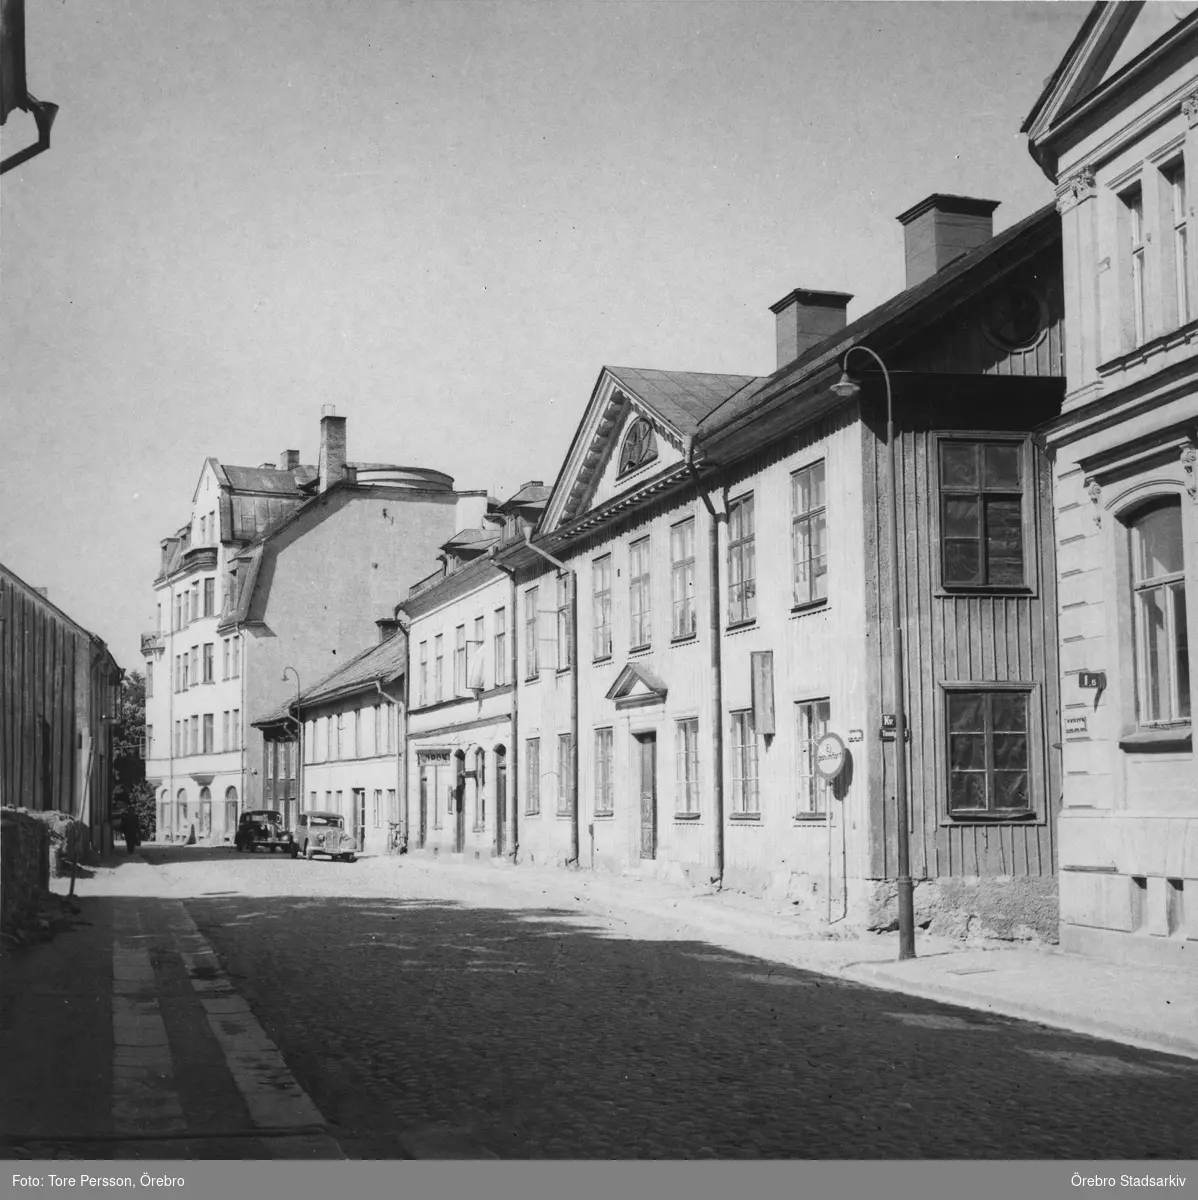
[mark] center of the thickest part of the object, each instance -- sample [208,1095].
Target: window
[742,567]
[532,777]
[639,448]
[194,740]
[459,661]
[390,804]
[235,728]
[195,601]
[808,534]
[480,788]
[328,801]
[339,721]
[178,751]
[744,764]
[682,578]
[185,681]
[1176,178]
[389,726]
[209,666]
[564,639]
[225,743]
[565,775]
[235,655]
[988,765]
[981,513]
[203,530]
[640,631]
[149,679]
[500,647]
[377,745]
[209,732]
[158,621]
[224,658]
[357,733]
[1162,652]
[603,771]
[378,808]
[148,752]
[438,669]
[209,596]
[475,657]
[532,657]
[813,789]
[424,672]
[340,803]
[1133,203]
[687,760]
[195,666]
[601,607]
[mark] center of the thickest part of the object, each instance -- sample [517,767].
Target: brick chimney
[805,318]
[332,448]
[288,460]
[940,229]
[388,627]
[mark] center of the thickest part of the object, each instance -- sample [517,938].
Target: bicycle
[396,842]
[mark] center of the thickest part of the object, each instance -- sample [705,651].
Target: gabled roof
[267,479]
[381,664]
[532,494]
[680,398]
[1118,41]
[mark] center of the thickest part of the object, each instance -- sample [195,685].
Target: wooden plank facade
[59,693]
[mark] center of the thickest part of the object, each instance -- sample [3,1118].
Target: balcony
[154,640]
[199,558]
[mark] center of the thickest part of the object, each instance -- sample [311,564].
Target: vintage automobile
[324,833]
[263,828]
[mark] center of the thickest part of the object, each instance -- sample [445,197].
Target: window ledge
[1157,741]
[811,818]
[974,816]
[564,670]
[606,814]
[682,639]
[737,626]
[603,658]
[807,606]
[687,816]
[640,649]
[533,814]
[746,818]
[948,590]
[563,816]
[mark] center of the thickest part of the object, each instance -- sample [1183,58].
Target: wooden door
[647,756]
[500,799]
[459,805]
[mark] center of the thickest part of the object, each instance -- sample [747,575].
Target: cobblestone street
[425,1007]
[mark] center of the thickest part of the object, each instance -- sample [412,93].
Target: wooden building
[59,696]
[718,600]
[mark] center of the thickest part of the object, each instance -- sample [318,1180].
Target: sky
[443,219]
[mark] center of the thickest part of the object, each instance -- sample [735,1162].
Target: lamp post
[299,743]
[846,388]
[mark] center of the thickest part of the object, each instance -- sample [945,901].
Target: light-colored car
[324,833]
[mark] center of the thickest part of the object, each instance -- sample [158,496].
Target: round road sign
[829,755]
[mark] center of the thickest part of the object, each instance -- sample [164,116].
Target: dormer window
[640,446]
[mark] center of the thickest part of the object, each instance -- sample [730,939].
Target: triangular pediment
[1112,37]
[635,686]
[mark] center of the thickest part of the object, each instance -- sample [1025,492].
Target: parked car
[324,833]
[262,828]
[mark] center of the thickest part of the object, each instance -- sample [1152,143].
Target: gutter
[513,789]
[561,566]
[716,664]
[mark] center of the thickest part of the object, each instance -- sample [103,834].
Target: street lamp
[846,389]
[299,742]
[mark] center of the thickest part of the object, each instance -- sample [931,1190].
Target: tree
[128,762]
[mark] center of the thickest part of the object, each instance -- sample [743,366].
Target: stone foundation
[1003,907]
[70,840]
[25,866]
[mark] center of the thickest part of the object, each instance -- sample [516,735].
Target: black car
[261,829]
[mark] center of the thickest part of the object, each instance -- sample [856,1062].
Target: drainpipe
[561,566]
[717,688]
[401,793]
[513,775]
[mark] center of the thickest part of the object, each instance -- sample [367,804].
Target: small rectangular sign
[856,735]
[1091,679]
[1075,727]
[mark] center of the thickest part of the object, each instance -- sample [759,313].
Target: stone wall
[25,869]
[1003,908]
[70,840]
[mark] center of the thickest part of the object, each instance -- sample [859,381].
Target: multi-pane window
[988,761]
[209,664]
[1176,178]
[424,672]
[809,534]
[684,619]
[390,803]
[209,596]
[357,733]
[532,655]
[639,615]
[185,677]
[179,748]
[1134,204]
[235,655]
[500,647]
[339,726]
[1162,651]
[377,744]
[603,770]
[601,607]
[565,641]
[438,668]
[194,740]
[742,565]
[389,727]
[235,728]
[532,776]
[474,656]
[813,788]
[687,763]
[981,513]
[744,763]
[224,658]
[639,448]
[378,807]
[565,774]
[209,732]
[149,679]
[225,743]
[148,752]
[459,660]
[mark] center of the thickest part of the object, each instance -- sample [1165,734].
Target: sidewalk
[1155,1009]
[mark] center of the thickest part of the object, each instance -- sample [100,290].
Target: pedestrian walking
[129,829]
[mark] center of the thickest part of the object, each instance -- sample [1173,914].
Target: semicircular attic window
[640,446]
